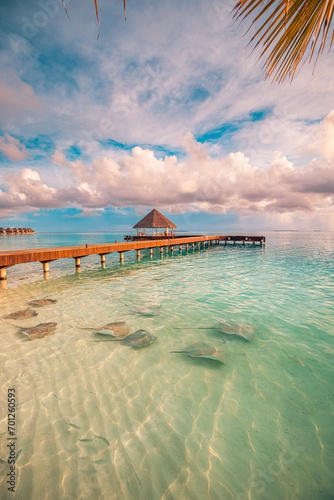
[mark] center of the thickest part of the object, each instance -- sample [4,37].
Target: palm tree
[288,31]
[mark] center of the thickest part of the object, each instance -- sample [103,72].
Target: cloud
[324,141]
[59,158]
[195,76]
[229,184]
[17,98]
[12,148]
[26,192]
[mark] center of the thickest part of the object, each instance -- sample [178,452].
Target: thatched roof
[154,219]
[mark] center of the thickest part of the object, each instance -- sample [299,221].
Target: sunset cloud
[324,142]
[12,148]
[17,98]
[229,184]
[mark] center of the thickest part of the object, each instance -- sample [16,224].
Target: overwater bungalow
[14,230]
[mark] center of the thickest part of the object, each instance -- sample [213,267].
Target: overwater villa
[15,230]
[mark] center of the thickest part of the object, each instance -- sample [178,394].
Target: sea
[107,420]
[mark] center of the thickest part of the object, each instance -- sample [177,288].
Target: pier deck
[47,255]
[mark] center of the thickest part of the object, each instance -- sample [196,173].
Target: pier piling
[3,275]
[46,266]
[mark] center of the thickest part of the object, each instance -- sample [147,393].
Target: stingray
[42,302]
[244,331]
[141,338]
[204,350]
[24,314]
[118,329]
[39,331]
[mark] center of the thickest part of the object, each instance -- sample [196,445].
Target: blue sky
[167,110]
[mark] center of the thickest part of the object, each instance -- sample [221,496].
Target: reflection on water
[106,420]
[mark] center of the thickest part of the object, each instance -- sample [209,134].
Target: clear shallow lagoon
[103,420]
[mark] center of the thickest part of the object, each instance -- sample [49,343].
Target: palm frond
[290,30]
[97,14]
[97,17]
[65,9]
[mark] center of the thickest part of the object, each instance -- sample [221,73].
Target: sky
[169,109]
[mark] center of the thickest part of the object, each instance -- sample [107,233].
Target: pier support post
[103,261]
[121,257]
[187,246]
[172,248]
[77,262]
[46,267]
[3,275]
[161,249]
[151,252]
[193,246]
[138,254]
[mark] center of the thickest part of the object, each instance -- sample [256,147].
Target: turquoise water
[104,420]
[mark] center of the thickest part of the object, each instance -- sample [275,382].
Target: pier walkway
[47,255]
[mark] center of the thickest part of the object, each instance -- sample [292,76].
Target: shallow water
[104,420]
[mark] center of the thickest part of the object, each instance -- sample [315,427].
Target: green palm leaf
[291,30]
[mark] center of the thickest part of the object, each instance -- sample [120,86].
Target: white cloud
[59,158]
[26,192]
[17,98]
[12,148]
[229,184]
[324,141]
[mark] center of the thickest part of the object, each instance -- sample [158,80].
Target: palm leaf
[289,31]
[97,14]
[97,17]
[65,9]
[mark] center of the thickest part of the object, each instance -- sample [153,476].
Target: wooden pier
[47,255]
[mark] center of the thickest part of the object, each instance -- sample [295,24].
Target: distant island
[16,230]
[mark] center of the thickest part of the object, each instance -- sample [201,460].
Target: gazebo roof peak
[154,219]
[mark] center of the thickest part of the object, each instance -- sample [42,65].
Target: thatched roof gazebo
[155,221]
